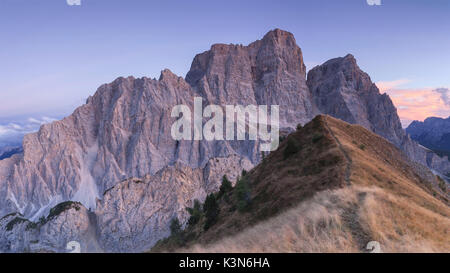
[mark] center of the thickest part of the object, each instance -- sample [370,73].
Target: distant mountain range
[112,177]
[433,133]
[8,151]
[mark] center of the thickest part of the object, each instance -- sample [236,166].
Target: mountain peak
[277,50]
[349,57]
[167,74]
[228,72]
[279,34]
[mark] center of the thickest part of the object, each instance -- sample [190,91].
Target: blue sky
[53,56]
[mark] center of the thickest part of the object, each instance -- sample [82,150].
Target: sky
[54,55]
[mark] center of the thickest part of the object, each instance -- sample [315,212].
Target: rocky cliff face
[123,131]
[67,222]
[267,72]
[136,213]
[130,216]
[341,89]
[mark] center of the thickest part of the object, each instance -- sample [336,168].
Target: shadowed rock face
[341,89]
[123,131]
[433,133]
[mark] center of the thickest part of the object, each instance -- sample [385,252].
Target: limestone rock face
[341,89]
[266,72]
[130,217]
[136,213]
[73,223]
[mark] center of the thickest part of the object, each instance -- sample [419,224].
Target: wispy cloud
[388,85]
[12,133]
[418,104]
[444,92]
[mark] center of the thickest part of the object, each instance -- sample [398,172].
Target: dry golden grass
[322,225]
[334,195]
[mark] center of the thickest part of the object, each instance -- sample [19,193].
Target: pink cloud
[387,85]
[418,104]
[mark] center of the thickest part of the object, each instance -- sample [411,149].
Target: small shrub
[15,221]
[362,147]
[195,212]
[61,207]
[442,184]
[317,137]
[291,148]
[226,185]
[175,226]
[242,194]
[176,234]
[31,225]
[299,127]
[11,214]
[211,209]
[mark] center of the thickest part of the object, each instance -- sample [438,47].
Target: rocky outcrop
[67,222]
[136,213]
[130,217]
[341,89]
[266,72]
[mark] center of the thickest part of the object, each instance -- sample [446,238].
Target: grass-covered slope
[330,187]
